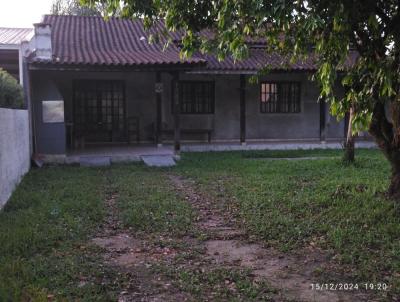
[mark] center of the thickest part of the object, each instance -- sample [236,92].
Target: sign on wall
[53,111]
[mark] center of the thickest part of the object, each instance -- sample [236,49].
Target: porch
[109,154]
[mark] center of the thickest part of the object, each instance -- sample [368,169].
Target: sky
[23,13]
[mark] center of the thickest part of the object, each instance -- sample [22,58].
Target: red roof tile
[82,40]
[258,59]
[78,40]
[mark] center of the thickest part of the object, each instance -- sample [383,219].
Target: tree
[333,32]
[76,8]
[11,93]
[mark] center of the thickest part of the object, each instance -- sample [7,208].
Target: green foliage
[74,7]
[11,93]
[330,31]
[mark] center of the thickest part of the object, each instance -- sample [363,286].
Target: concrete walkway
[103,155]
[272,145]
[158,160]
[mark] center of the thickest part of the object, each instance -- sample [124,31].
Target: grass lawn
[293,203]
[287,204]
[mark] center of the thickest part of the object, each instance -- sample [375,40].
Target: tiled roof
[116,42]
[92,41]
[14,36]
[258,59]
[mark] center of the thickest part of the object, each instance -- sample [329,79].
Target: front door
[99,111]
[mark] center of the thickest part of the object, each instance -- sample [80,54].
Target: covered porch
[114,113]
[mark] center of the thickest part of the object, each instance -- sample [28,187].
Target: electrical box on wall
[53,111]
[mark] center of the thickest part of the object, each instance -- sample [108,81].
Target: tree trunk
[394,187]
[348,156]
[387,136]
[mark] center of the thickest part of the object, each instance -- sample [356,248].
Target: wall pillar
[242,109]
[158,124]
[177,110]
[322,120]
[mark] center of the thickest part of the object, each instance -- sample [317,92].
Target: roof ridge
[85,16]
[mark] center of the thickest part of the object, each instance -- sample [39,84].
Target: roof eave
[117,67]
[10,46]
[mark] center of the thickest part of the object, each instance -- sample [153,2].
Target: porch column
[322,120]
[158,124]
[177,109]
[242,109]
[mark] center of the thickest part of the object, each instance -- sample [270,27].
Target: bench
[168,131]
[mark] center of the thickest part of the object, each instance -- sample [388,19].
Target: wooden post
[242,109]
[177,110]
[322,120]
[158,109]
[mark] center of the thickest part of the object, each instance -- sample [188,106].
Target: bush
[11,93]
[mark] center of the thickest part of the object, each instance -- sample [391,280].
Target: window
[196,97]
[281,97]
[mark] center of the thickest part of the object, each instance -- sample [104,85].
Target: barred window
[280,97]
[196,97]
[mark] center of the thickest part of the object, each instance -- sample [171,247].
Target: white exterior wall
[14,150]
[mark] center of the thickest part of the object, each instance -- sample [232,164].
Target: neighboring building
[96,81]
[10,51]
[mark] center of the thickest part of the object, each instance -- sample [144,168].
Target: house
[96,82]
[10,52]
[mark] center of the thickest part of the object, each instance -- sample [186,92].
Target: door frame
[78,82]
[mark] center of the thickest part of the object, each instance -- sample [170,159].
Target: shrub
[11,93]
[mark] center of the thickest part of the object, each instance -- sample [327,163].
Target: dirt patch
[228,246]
[121,249]
[134,257]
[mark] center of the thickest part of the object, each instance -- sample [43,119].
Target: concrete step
[159,160]
[94,161]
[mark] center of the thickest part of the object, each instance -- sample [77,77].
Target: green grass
[291,204]
[148,203]
[290,153]
[218,284]
[46,225]
[43,227]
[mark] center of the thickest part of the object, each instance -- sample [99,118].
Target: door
[99,111]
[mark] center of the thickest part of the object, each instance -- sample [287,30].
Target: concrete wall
[50,137]
[259,126]
[14,150]
[141,102]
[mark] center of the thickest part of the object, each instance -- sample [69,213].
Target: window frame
[180,96]
[279,98]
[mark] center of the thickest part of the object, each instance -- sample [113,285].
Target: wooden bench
[168,131]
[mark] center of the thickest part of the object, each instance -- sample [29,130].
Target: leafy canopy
[11,93]
[328,30]
[74,7]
